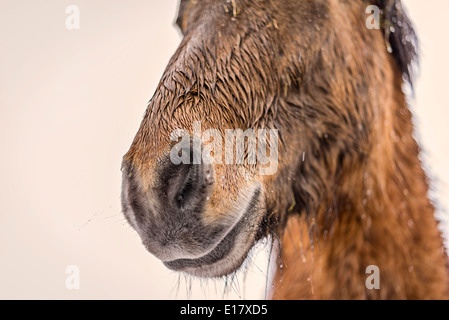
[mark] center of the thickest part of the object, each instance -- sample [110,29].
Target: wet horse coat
[349,192]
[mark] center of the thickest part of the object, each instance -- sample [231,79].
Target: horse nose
[167,212]
[179,186]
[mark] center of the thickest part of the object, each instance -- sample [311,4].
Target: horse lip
[223,247]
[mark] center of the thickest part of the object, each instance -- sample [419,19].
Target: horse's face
[246,64]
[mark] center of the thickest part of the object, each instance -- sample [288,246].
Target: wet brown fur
[313,70]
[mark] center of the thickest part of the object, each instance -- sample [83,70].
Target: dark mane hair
[401,36]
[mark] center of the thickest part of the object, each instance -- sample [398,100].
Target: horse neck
[377,213]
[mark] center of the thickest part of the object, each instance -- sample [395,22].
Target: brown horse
[348,200]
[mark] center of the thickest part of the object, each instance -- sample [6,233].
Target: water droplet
[411,269]
[207,198]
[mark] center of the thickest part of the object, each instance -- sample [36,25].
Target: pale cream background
[70,104]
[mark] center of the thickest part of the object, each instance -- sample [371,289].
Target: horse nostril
[187,184]
[187,188]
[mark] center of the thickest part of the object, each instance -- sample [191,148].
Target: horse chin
[229,254]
